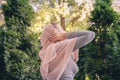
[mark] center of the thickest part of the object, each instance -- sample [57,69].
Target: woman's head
[48,30]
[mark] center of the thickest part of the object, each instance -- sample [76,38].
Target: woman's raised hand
[57,37]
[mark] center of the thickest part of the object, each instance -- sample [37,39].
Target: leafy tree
[19,47]
[78,16]
[50,11]
[100,59]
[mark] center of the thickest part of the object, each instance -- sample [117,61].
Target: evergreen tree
[19,47]
[100,60]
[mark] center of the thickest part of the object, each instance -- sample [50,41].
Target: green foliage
[103,14]
[78,16]
[21,11]
[51,11]
[101,58]
[19,47]
[20,56]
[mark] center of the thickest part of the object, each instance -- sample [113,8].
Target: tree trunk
[62,19]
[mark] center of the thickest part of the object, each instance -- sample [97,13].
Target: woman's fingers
[53,37]
[57,37]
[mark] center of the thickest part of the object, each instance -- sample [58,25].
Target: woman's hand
[57,37]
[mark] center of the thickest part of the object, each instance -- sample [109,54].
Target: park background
[22,21]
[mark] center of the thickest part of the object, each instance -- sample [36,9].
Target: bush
[19,47]
[101,58]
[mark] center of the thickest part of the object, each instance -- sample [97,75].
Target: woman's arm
[83,37]
[77,34]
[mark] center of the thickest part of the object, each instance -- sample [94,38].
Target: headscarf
[55,55]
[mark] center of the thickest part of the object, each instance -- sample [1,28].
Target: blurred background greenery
[22,21]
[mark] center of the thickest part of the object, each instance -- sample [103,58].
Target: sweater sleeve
[83,38]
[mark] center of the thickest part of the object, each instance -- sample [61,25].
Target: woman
[60,51]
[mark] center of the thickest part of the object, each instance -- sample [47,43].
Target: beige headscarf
[55,56]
